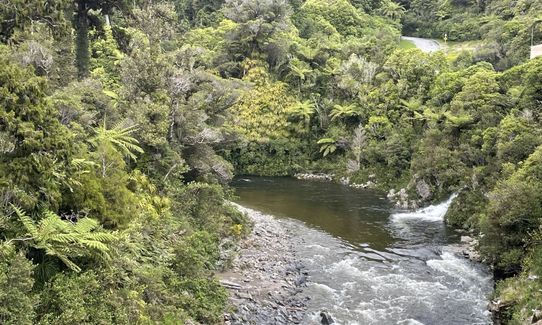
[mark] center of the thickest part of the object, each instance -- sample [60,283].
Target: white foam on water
[345,268]
[459,268]
[408,289]
[410,322]
[318,247]
[432,213]
[324,290]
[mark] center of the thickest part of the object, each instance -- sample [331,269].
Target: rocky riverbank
[331,178]
[266,279]
[467,248]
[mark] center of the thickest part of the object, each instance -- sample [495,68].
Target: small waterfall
[433,213]
[423,225]
[398,270]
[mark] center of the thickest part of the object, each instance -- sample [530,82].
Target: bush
[466,208]
[17,299]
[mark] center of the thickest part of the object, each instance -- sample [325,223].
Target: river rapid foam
[419,279]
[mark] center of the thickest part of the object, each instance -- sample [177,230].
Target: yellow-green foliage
[262,112]
[212,39]
[105,61]
[340,14]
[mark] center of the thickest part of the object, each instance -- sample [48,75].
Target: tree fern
[327,146]
[66,240]
[304,111]
[27,222]
[119,138]
[340,111]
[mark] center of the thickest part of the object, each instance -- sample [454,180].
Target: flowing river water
[371,264]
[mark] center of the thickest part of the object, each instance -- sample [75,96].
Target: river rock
[466,239]
[310,176]
[537,316]
[271,274]
[423,189]
[326,318]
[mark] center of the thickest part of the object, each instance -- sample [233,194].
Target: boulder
[423,189]
[326,318]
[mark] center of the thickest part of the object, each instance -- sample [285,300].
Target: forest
[122,123]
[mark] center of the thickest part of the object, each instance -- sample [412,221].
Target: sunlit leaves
[344,111]
[118,137]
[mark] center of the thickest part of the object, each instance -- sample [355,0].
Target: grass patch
[451,47]
[406,44]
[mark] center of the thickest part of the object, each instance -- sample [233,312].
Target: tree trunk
[82,55]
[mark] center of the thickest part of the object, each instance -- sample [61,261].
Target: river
[368,263]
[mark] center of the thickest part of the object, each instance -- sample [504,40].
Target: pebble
[272,277]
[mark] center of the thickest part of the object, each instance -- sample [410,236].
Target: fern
[118,137]
[66,240]
[327,146]
[341,111]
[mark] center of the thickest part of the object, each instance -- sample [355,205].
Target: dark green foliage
[466,208]
[199,201]
[196,254]
[20,15]
[503,27]
[17,300]
[177,96]
[81,299]
[514,211]
[204,299]
[276,158]
[35,147]
[91,171]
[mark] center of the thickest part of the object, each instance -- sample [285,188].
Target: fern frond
[69,263]
[64,238]
[27,222]
[102,236]
[96,245]
[85,225]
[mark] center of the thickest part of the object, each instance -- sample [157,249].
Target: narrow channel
[369,263]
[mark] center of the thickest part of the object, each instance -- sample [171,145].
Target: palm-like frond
[26,221]
[85,225]
[327,146]
[119,137]
[66,240]
[340,111]
[304,109]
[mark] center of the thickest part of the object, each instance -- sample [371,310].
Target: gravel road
[424,44]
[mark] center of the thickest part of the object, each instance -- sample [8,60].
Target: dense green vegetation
[503,26]
[122,121]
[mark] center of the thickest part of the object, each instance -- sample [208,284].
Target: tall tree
[81,24]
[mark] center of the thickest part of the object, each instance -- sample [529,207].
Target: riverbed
[367,263]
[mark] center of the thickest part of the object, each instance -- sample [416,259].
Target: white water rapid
[414,279]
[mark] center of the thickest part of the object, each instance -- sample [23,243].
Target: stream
[368,263]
